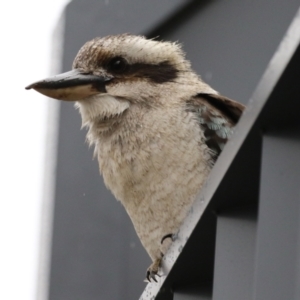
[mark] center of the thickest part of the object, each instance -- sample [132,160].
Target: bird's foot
[168,236]
[152,271]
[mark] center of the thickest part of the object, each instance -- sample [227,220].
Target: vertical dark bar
[234,257]
[278,256]
[95,252]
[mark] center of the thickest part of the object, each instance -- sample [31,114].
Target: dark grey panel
[95,252]
[277,266]
[235,253]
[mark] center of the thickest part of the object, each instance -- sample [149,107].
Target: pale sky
[26,32]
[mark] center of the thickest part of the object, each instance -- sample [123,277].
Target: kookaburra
[156,126]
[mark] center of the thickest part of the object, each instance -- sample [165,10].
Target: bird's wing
[217,115]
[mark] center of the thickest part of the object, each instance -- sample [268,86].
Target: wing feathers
[217,115]
[230,108]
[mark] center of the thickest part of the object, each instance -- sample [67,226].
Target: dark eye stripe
[157,73]
[160,73]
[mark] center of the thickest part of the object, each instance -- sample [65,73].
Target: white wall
[25,55]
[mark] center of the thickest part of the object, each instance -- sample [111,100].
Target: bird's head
[113,74]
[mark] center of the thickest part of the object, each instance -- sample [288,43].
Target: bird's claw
[151,275]
[168,236]
[152,271]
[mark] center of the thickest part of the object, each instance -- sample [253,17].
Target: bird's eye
[117,65]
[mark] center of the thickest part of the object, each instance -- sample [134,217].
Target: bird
[157,128]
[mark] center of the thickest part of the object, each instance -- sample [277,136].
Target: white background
[25,54]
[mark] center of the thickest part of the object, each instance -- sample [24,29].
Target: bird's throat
[101,107]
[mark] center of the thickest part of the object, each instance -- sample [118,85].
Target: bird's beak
[71,86]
